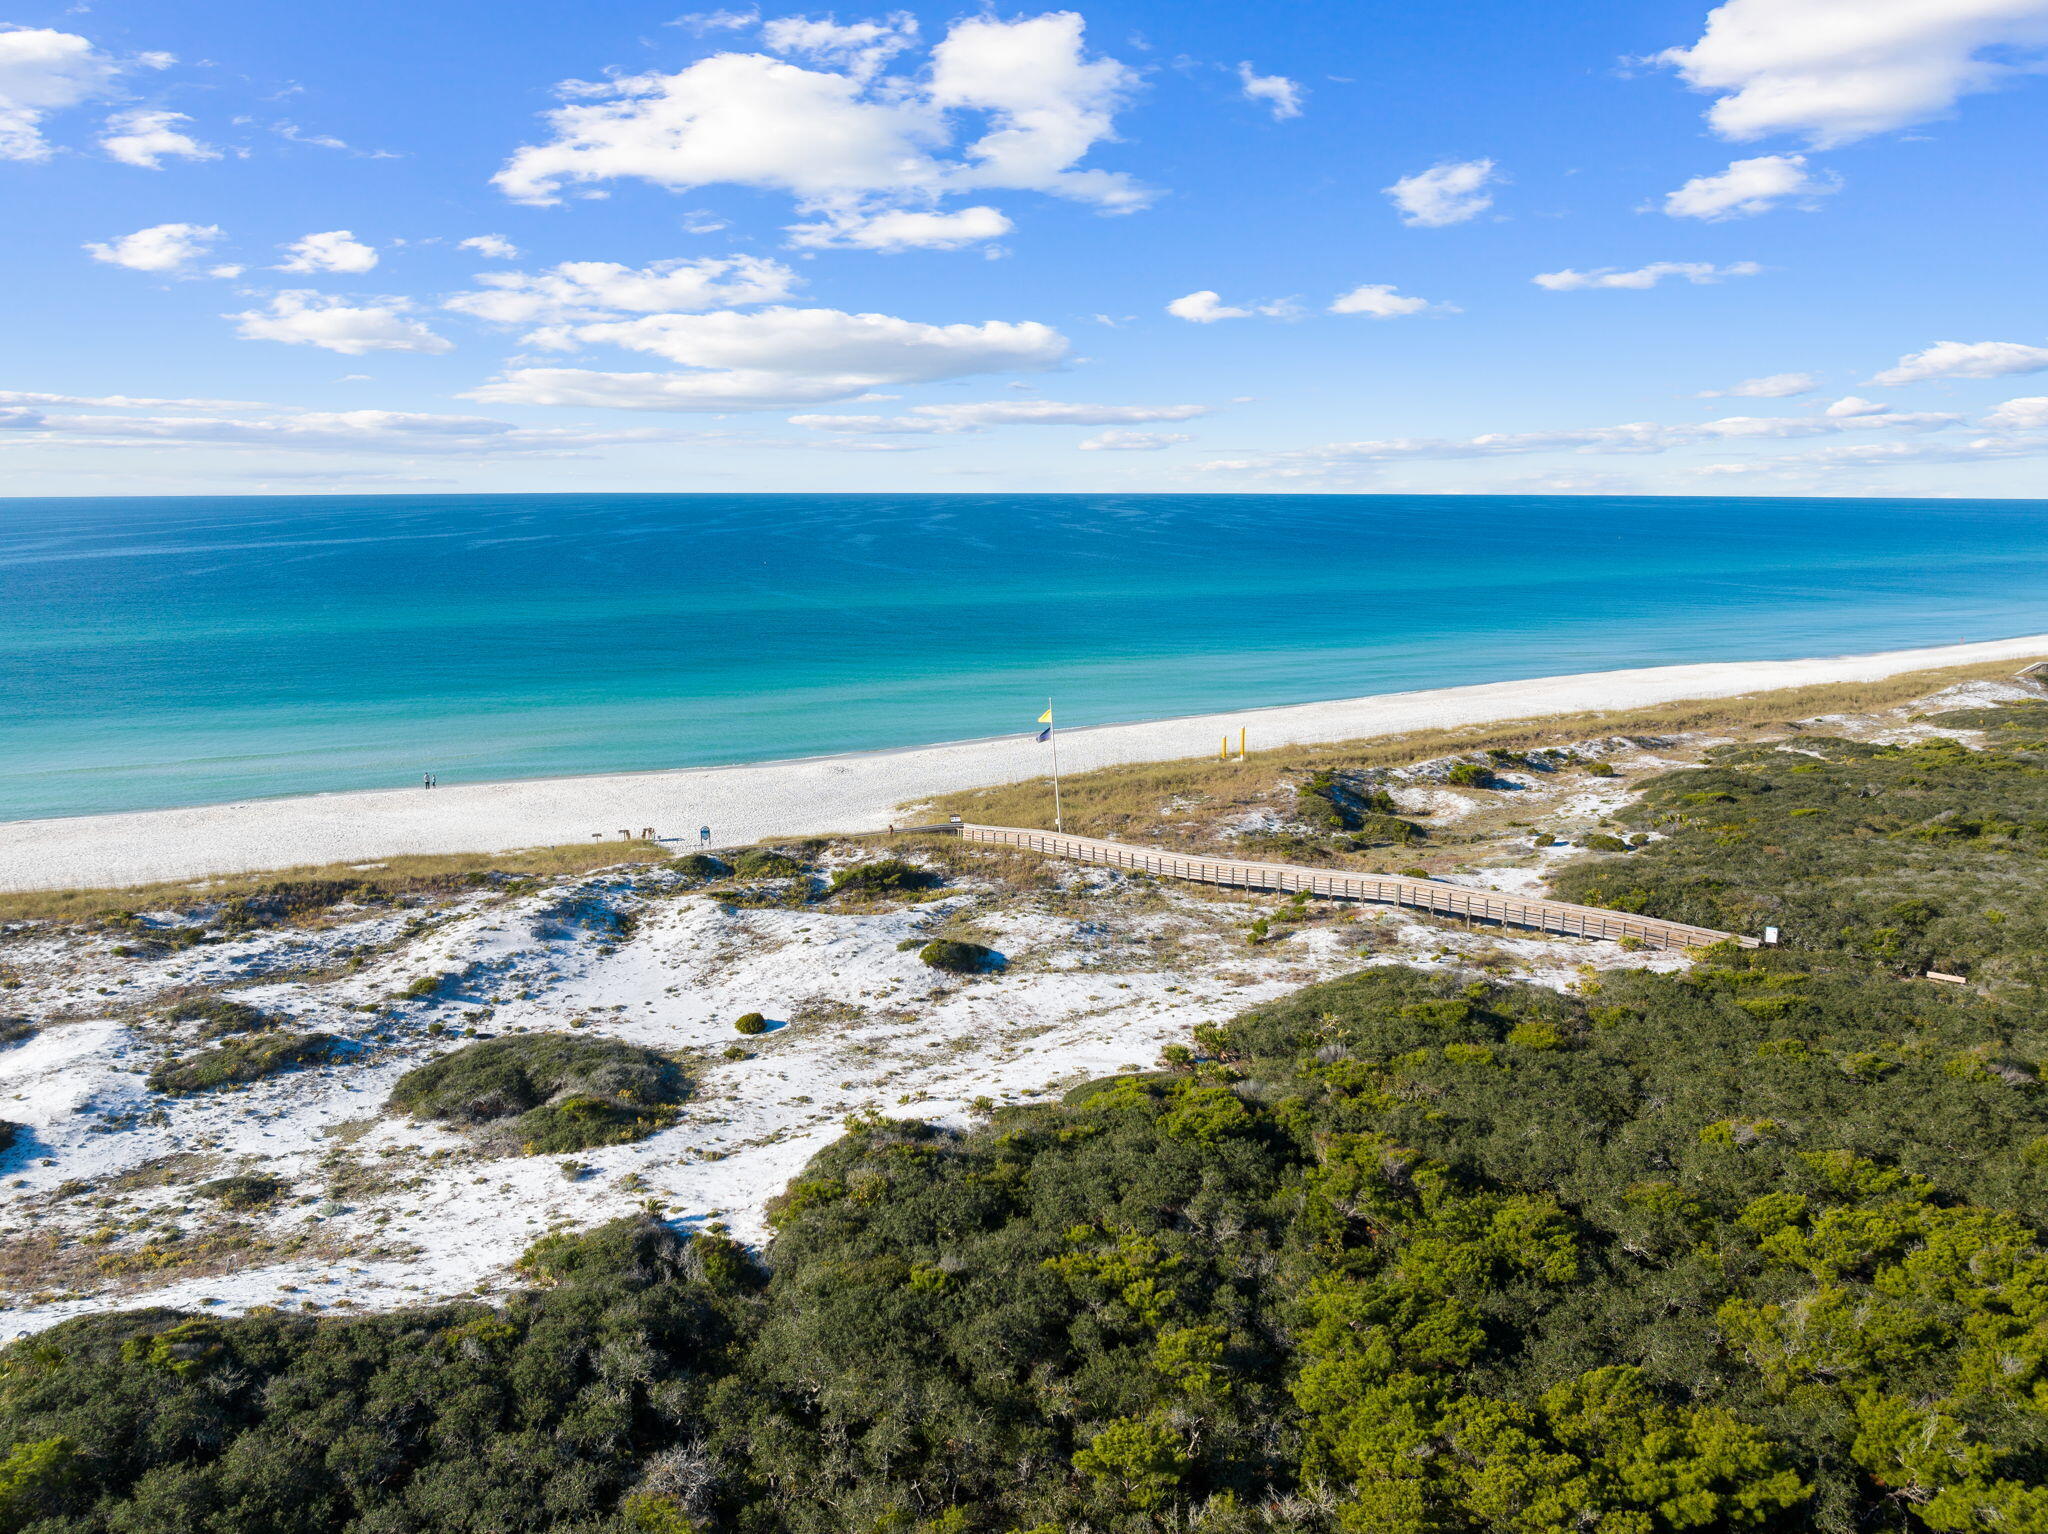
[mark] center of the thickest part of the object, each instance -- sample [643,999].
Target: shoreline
[858,791]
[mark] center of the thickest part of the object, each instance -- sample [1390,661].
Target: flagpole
[1053,736]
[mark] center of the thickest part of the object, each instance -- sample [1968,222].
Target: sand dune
[828,793]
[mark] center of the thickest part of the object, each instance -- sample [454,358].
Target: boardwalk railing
[1337,884]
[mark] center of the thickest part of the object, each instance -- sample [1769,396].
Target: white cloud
[1966,359]
[492,247]
[1633,437]
[331,250]
[1280,94]
[127,401]
[1133,441]
[701,22]
[1749,187]
[1772,386]
[861,47]
[335,250]
[149,138]
[302,318]
[583,292]
[1444,194]
[344,431]
[778,356]
[2029,413]
[1840,70]
[1643,276]
[934,420]
[894,229]
[44,71]
[167,248]
[1381,302]
[1205,307]
[850,143]
[1851,405]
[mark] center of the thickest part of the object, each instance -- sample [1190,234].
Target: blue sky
[1775,247]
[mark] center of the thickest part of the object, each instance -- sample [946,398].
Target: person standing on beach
[426,780]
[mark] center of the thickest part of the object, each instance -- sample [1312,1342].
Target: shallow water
[192,650]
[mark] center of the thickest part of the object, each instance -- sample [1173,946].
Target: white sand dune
[827,793]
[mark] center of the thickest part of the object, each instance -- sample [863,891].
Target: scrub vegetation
[1752,1245]
[547,1093]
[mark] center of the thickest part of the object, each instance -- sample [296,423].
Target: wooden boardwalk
[1336,884]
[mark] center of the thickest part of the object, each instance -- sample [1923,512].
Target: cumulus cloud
[934,420]
[1841,70]
[1449,193]
[1568,281]
[1381,302]
[492,247]
[1749,187]
[1204,307]
[2029,413]
[1966,359]
[301,318]
[1280,95]
[582,292]
[335,250]
[43,71]
[1771,386]
[1852,405]
[894,229]
[149,138]
[1013,105]
[1133,441]
[778,356]
[861,47]
[172,249]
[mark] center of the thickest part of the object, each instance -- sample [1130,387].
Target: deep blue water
[190,650]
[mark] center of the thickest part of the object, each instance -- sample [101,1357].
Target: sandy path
[828,793]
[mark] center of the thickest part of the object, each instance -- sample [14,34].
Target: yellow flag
[1046,717]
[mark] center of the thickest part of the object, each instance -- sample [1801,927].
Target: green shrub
[959,958]
[1386,831]
[250,1058]
[1471,775]
[16,1030]
[1598,770]
[216,1015]
[9,1133]
[249,1191]
[1600,841]
[701,865]
[765,863]
[889,876]
[547,1093]
[425,985]
[751,1023]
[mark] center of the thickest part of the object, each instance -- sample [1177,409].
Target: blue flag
[1046,733]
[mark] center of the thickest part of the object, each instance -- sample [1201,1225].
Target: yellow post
[1223,751]
[1240,743]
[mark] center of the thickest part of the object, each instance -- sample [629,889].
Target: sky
[1774,247]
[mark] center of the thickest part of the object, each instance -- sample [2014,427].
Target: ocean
[193,650]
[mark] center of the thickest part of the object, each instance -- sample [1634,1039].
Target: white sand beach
[830,793]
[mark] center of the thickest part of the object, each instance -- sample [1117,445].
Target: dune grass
[385,877]
[1110,800]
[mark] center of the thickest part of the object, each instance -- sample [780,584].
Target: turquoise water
[192,650]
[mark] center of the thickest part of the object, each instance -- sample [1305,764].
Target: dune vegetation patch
[547,1093]
[250,1058]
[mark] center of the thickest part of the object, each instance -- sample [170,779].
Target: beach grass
[384,876]
[1110,800]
